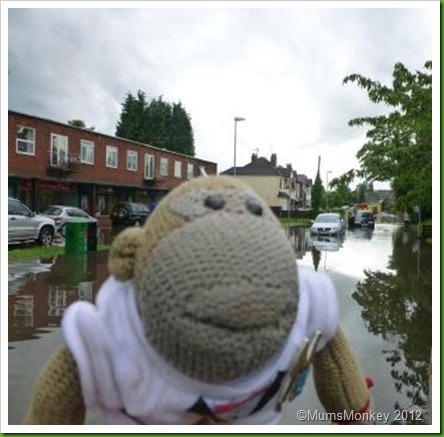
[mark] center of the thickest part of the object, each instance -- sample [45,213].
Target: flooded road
[384,284]
[383,280]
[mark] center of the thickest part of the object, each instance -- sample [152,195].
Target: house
[305,185]
[277,185]
[55,163]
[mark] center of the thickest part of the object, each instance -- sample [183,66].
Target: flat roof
[160,149]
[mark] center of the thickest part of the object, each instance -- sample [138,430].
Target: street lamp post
[326,189]
[236,119]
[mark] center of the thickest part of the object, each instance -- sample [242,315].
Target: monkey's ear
[122,254]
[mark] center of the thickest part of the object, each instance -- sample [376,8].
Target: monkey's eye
[254,206]
[215,201]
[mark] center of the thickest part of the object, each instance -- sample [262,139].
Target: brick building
[55,163]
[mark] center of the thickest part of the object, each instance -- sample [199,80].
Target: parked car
[365,219]
[129,213]
[328,224]
[62,213]
[25,225]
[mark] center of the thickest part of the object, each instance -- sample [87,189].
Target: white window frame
[148,168]
[112,150]
[190,170]
[164,163]
[87,146]
[59,144]
[29,143]
[178,169]
[131,160]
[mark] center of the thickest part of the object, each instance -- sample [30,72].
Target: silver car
[24,225]
[328,224]
[63,213]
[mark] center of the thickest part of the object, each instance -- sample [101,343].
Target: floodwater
[384,285]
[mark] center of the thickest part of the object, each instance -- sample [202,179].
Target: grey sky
[281,69]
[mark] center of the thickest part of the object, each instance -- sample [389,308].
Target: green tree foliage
[341,194]
[131,123]
[181,133]
[317,194]
[399,143]
[156,122]
[79,123]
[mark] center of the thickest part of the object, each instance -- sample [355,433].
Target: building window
[177,169]
[149,167]
[190,171]
[86,152]
[131,160]
[111,156]
[25,140]
[59,150]
[163,166]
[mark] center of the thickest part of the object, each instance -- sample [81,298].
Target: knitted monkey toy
[205,319]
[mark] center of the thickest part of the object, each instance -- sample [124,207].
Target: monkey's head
[215,279]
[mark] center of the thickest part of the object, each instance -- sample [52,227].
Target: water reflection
[365,233]
[398,306]
[40,292]
[326,244]
[303,242]
[299,238]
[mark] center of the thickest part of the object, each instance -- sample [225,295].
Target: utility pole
[236,119]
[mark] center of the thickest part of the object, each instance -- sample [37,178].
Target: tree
[79,123]
[399,143]
[156,122]
[181,133]
[317,194]
[130,125]
[341,195]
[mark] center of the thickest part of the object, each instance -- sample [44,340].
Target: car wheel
[123,213]
[62,231]
[46,236]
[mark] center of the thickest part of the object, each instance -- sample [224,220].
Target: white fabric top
[123,375]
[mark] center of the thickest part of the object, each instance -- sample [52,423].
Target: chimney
[253,157]
[289,167]
[273,159]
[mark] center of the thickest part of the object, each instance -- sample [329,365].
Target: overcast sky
[280,69]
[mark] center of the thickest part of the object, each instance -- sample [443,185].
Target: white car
[63,213]
[328,224]
[24,225]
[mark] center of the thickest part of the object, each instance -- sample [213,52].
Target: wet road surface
[384,286]
[383,280]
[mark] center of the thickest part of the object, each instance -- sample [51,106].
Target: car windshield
[52,210]
[326,219]
[137,207]
[365,214]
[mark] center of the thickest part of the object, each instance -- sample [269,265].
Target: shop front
[37,194]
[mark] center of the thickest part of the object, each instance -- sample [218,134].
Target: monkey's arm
[338,377]
[57,397]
